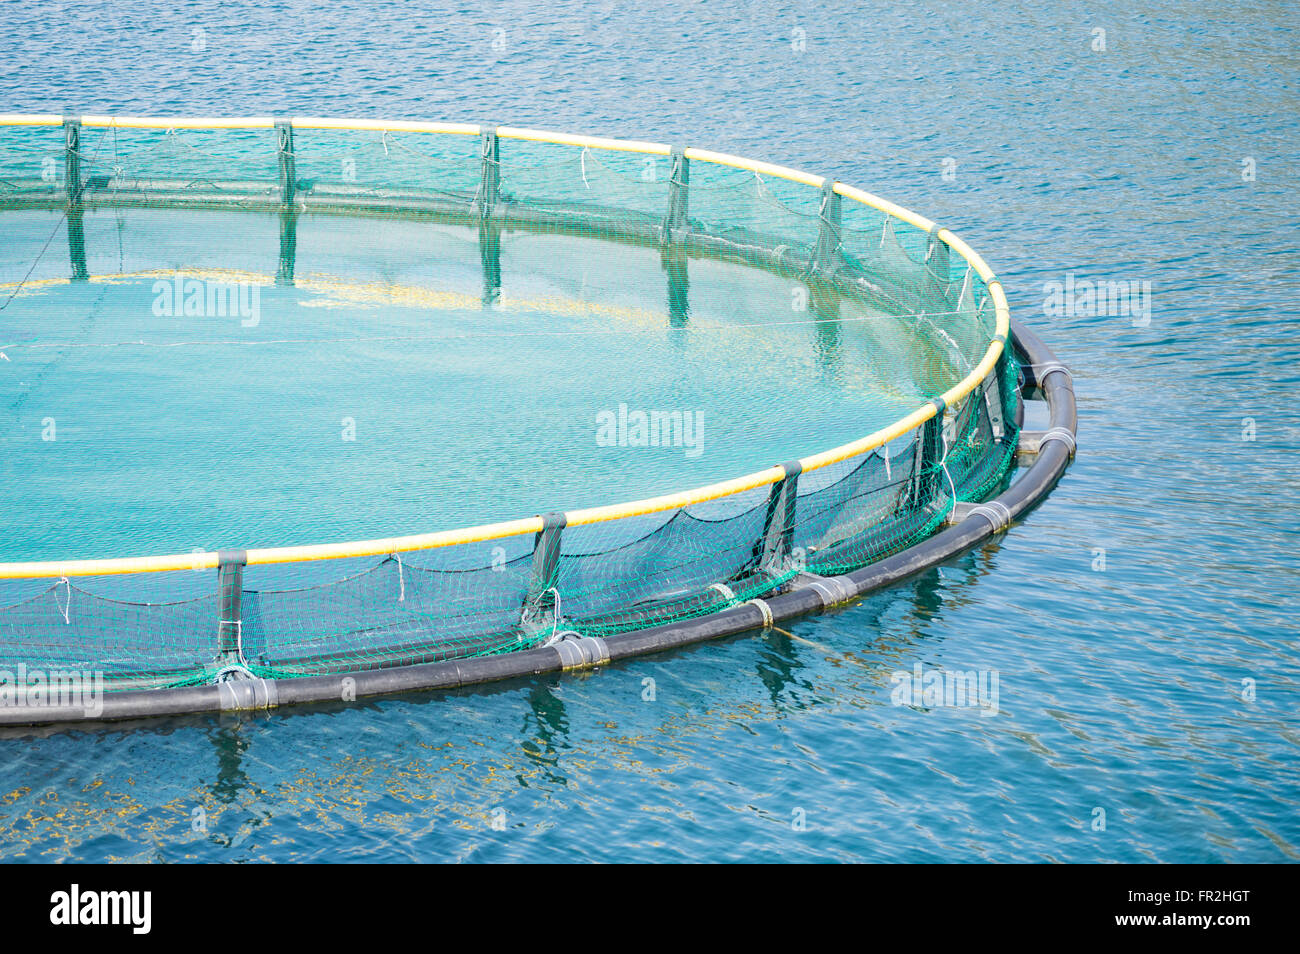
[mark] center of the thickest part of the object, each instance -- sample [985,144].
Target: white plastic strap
[995,512]
[1041,371]
[1061,434]
[833,591]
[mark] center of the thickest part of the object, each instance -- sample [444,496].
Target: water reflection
[544,733]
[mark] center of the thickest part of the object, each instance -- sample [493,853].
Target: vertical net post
[679,187]
[288,182]
[489,189]
[541,605]
[774,549]
[74,186]
[230,622]
[936,264]
[679,286]
[823,295]
[672,231]
[826,256]
[489,232]
[287,166]
[489,253]
[993,398]
[930,454]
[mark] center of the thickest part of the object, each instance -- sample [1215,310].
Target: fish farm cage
[330,620]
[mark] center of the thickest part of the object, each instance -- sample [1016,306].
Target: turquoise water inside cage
[181,399]
[1129,618]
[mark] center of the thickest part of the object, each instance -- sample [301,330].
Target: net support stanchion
[936,264]
[489,189]
[679,188]
[74,186]
[542,603]
[489,230]
[992,390]
[826,256]
[673,232]
[287,164]
[823,294]
[774,551]
[930,454]
[489,251]
[825,300]
[230,622]
[288,182]
[679,286]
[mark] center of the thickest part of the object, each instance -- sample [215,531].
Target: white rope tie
[582,159]
[65,610]
[1061,434]
[558,617]
[401,579]
[766,610]
[944,464]
[725,590]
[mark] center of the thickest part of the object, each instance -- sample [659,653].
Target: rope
[64,609]
[58,225]
[768,618]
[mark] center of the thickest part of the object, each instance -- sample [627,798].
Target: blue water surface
[1141,622]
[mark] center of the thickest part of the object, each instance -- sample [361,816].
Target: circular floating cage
[291,352]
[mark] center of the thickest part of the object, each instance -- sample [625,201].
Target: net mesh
[72,193]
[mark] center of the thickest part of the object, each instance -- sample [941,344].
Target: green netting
[127,205]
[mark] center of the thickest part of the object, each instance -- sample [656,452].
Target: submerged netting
[815,315]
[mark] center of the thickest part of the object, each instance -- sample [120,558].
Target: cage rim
[581,516]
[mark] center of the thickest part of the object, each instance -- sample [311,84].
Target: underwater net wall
[337,607]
